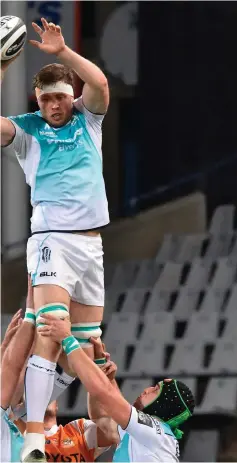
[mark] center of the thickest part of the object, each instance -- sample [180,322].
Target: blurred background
[170,167]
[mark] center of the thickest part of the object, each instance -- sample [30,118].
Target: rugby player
[59,150]
[15,350]
[148,430]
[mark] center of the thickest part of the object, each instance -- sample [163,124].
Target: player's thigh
[82,313]
[85,323]
[49,270]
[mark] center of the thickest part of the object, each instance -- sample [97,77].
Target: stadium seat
[122,327]
[134,301]
[124,275]
[219,246]
[185,303]
[132,388]
[118,352]
[112,298]
[222,220]
[158,327]
[109,270]
[79,408]
[230,329]
[223,359]
[167,249]
[201,446]
[190,248]
[147,274]
[202,327]
[224,274]
[158,301]
[187,359]
[233,250]
[212,301]
[198,275]
[220,397]
[147,359]
[169,278]
[231,303]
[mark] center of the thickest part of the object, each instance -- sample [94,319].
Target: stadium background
[170,159]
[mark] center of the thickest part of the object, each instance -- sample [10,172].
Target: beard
[138,404]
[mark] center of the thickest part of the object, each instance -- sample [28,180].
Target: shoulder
[27,122]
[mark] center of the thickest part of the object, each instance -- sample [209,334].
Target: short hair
[52,73]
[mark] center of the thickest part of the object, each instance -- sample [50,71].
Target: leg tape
[84,331]
[57,309]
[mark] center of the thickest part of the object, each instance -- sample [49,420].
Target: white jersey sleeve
[22,141]
[144,428]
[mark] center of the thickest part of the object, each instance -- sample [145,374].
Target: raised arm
[94,380]
[8,130]
[15,356]
[95,91]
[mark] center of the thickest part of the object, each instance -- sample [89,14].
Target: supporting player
[148,430]
[14,352]
[59,149]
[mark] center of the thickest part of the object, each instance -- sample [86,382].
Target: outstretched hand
[56,328]
[52,41]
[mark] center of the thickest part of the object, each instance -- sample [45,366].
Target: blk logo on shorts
[48,274]
[46,254]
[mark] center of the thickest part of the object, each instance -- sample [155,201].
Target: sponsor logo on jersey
[48,274]
[145,419]
[47,133]
[46,254]
[157,425]
[67,443]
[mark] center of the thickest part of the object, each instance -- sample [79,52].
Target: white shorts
[72,261]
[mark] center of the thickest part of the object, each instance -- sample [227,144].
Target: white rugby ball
[12,36]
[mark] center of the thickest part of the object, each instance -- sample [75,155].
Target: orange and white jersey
[76,441]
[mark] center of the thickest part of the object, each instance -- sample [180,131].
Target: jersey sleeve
[93,119]
[89,430]
[24,130]
[145,429]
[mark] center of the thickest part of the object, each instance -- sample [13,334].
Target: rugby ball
[12,36]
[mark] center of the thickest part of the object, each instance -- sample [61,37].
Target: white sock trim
[43,365]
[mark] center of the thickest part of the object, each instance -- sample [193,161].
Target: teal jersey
[63,167]
[11,439]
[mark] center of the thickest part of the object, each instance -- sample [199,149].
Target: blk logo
[48,274]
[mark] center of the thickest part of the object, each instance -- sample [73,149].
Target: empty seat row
[197,275]
[219,397]
[190,358]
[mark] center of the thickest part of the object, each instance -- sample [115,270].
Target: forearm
[19,348]
[85,69]
[94,380]
[96,409]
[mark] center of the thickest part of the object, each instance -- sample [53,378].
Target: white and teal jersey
[146,439]
[63,167]
[11,439]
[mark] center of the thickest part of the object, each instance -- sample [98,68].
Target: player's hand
[6,63]
[52,40]
[12,328]
[109,369]
[56,328]
[99,349]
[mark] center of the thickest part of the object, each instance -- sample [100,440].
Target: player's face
[56,108]
[148,395]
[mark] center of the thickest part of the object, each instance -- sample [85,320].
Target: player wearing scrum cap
[59,150]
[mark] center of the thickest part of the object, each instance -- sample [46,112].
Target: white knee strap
[57,309]
[84,331]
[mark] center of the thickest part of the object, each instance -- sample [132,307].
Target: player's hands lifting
[52,40]
[109,368]
[56,328]
[12,328]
